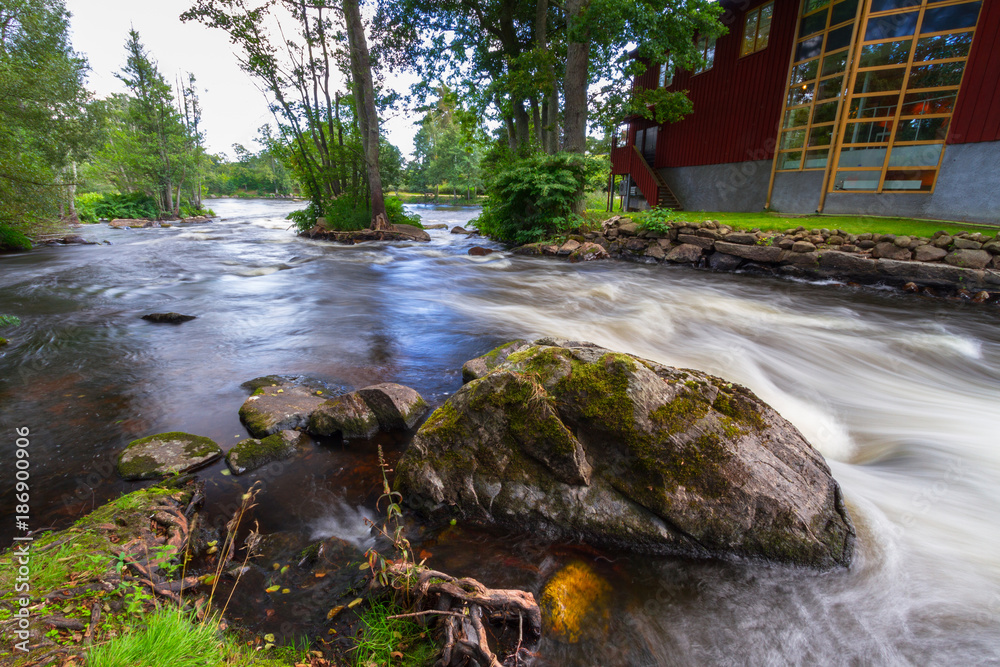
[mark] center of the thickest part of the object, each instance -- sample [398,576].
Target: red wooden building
[869,107]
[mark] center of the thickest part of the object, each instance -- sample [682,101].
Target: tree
[46,119]
[299,76]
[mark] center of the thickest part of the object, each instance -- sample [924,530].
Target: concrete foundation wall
[968,190]
[737,186]
[797,192]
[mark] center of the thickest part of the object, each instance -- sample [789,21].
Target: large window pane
[825,113]
[844,11]
[839,38]
[816,159]
[813,5]
[793,139]
[954,17]
[791,160]
[835,63]
[878,81]
[821,136]
[809,48]
[877,106]
[886,5]
[856,180]
[886,53]
[922,129]
[764,31]
[892,25]
[749,33]
[812,23]
[868,133]
[830,88]
[805,72]
[796,117]
[925,155]
[933,101]
[801,94]
[956,45]
[936,76]
[916,180]
[862,157]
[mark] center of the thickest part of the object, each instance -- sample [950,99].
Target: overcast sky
[233,107]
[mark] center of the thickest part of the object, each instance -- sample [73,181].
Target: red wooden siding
[737,103]
[977,111]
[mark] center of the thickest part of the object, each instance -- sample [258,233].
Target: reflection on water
[897,391]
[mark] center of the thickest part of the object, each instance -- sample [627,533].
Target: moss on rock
[166,454]
[251,454]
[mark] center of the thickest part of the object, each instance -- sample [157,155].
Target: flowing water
[899,392]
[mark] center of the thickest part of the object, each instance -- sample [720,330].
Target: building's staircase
[653,181]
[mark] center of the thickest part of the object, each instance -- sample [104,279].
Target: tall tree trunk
[577,76]
[549,131]
[522,127]
[364,94]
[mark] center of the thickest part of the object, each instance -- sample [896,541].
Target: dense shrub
[131,205]
[11,239]
[342,215]
[86,206]
[534,197]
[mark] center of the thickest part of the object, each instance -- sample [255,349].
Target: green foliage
[45,120]
[168,638]
[130,205]
[12,239]
[9,321]
[655,220]
[382,637]
[661,105]
[304,218]
[398,216]
[86,205]
[534,197]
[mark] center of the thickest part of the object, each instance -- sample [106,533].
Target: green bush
[11,239]
[534,197]
[131,205]
[86,206]
[398,216]
[655,220]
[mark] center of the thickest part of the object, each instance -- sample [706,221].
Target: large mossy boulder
[166,454]
[348,415]
[579,442]
[279,406]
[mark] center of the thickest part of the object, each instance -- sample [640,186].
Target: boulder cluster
[965,261]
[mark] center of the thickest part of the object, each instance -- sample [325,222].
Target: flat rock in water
[168,318]
[479,251]
[437,225]
[395,406]
[347,415]
[166,454]
[248,455]
[460,230]
[135,223]
[279,407]
[576,442]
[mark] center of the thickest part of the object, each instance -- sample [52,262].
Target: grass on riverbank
[850,224]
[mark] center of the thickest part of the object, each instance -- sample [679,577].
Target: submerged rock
[280,403]
[578,442]
[395,406]
[248,455]
[166,454]
[168,318]
[279,407]
[348,415]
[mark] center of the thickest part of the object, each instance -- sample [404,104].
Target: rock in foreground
[579,442]
[166,454]
[251,454]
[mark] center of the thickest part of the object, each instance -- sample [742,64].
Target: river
[899,392]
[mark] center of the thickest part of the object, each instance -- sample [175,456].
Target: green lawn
[848,223]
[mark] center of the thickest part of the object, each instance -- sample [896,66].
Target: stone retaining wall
[966,265]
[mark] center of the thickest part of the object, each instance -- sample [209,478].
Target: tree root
[461,605]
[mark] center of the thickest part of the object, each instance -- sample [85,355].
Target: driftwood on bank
[461,605]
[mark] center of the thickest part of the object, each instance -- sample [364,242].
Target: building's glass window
[666,74]
[706,47]
[903,94]
[757,29]
[816,83]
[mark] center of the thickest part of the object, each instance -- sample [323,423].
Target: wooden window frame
[904,90]
[704,44]
[759,43]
